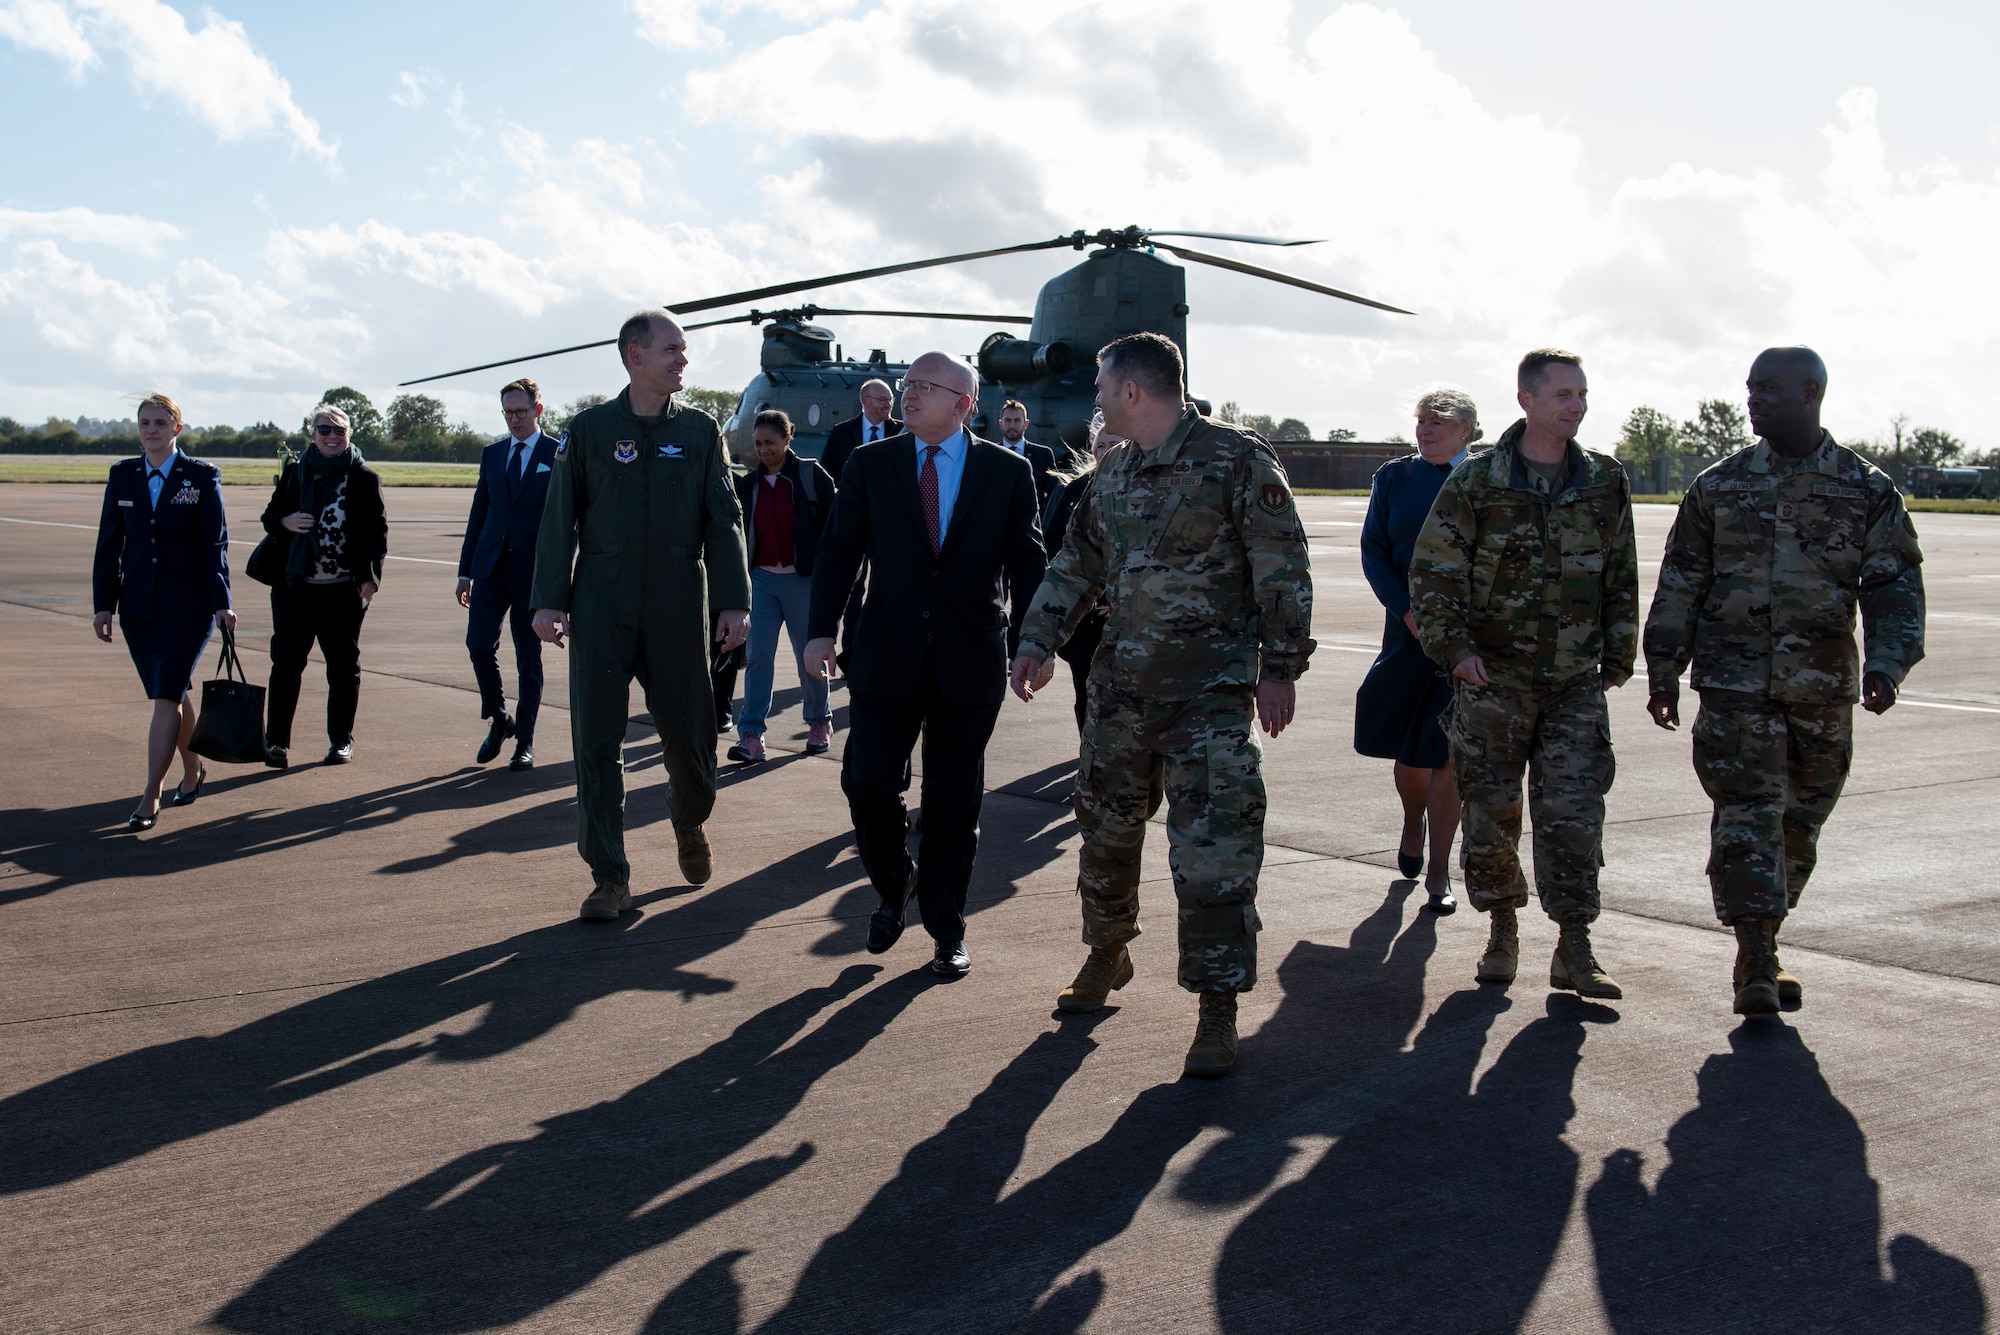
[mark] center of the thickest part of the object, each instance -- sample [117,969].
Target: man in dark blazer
[939,515]
[1014,435]
[496,567]
[871,425]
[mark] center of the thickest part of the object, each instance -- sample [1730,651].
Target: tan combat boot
[1102,974]
[1214,1048]
[1757,966]
[607,901]
[1575,969]
[1790,991]
[695,864]
[1503,947]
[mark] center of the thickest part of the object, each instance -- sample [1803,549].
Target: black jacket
[812,509]
[170,561]
[506,517]
[843,438]
[367,522]
[950,603]
[1043,460]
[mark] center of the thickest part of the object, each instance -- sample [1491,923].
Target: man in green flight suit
[640,492]
[1525,583]
[1190,537]
[1772,551]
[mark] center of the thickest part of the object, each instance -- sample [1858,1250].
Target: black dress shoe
[275,757]
[1410,864]
[524,757]
[885,928]
[339,753]
[502,729]
[1441,902]
[137,822]
[950,960]
[186,799]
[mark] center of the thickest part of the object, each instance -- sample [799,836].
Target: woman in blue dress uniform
[1397,710]
[162,570]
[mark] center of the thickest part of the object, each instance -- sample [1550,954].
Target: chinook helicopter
[1123,287]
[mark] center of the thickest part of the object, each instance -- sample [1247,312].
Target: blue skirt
[1398,709]
[165,651]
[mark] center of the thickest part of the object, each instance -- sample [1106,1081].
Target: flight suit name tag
[670,451]
[127,504]
[1850,493]
[186,496]
[1739,484]
[625,451]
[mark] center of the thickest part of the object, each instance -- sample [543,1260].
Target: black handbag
[230,727]
[262,560]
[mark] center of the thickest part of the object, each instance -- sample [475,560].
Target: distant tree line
[414,429]
[1719,428]
[1275,428]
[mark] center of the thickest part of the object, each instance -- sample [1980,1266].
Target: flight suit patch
[1851,493]
[562,446]
[670,451]
[1274,499]
[625,451]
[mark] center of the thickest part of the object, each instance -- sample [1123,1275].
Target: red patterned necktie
[927,489]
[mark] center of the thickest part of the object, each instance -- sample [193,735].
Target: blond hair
[161,400]
[1454,405]
[338,414]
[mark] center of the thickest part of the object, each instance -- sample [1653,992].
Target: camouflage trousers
[1774,771]
[1203,753]
[1561,739]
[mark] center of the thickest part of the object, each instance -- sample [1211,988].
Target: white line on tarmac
[92,528]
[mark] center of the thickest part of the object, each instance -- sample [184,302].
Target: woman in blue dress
[162,570]
[1398,708]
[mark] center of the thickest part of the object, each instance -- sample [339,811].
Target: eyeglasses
[925,387]
[323,429]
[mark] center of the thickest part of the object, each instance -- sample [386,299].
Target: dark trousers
[875,773]
[493,599]
[300,615]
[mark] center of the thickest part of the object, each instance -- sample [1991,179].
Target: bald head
[1787,386]
[937,394]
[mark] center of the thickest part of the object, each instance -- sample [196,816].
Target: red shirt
[773,522]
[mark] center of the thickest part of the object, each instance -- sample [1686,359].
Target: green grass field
[235,472]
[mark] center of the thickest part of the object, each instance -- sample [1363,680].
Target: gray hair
[1454,405]
[338,415]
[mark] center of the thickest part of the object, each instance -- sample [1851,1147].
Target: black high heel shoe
[136,822]
[181,799]
[1410,864]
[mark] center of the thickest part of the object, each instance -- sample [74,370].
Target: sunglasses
[321,428]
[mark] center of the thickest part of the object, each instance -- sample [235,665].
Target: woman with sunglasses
[331,533]
[162,570]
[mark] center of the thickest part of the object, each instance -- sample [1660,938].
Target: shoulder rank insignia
[625,451]
[562,446]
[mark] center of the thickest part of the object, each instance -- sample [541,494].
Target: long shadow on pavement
[939,1248]
[129,1105]
[499,1234]
[1766,1217]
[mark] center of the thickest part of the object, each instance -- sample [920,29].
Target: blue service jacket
[506,519]
[155,563]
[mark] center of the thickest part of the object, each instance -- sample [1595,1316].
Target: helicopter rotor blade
[533,356]
[1238,266]
[1252,240]
[830,280]
[818,311]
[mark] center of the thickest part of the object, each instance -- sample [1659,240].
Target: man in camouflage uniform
[1525,583]
[1773,549]
[1190,535]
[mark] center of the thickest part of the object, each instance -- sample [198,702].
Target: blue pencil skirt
[165,651]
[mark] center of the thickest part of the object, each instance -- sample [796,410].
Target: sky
[246,204]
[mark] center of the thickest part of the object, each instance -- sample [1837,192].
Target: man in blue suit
[496,568]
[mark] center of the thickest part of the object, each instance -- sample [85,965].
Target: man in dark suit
[872,425]
[940,515]
[1014,435]
[496,567]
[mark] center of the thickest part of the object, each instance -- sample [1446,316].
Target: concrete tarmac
[329,1051]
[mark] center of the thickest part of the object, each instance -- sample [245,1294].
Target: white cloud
[125,231]
[47,26]
[684,24]
[413,90]
[216,75]
[961,127]
[300,258]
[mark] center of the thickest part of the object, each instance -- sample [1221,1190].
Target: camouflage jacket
[1199,552]
[1766,563]
[1542,584]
